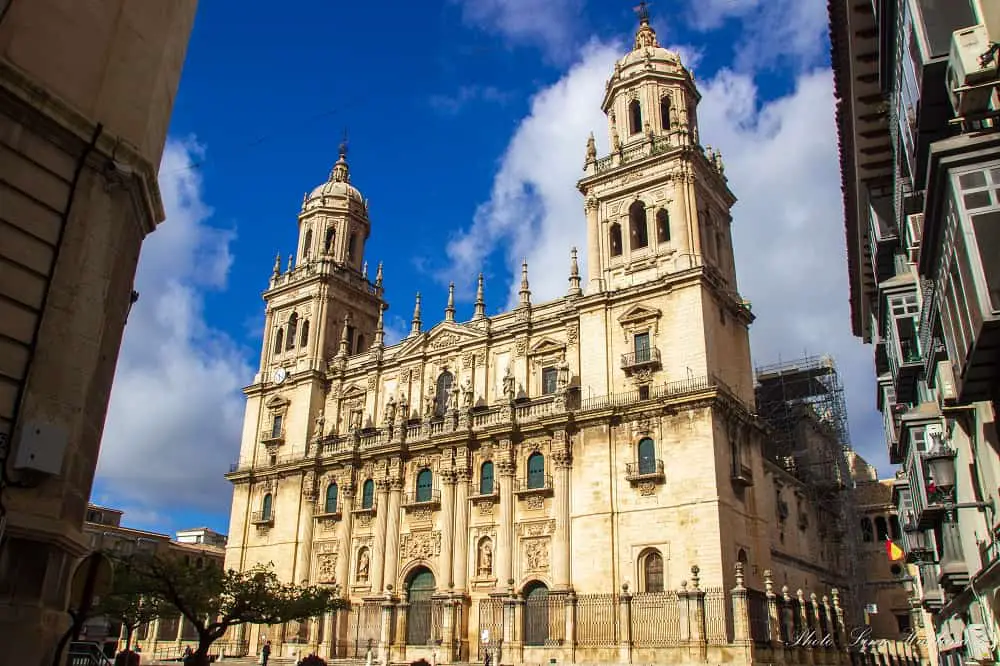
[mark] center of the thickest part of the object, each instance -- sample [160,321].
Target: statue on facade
[390,411]
[509,388]
[404,409]
[467,393]
[453,397]
[429,403]
[591,149]
[485,558]
[562,374]
[356,420]
[320,425]
[363,565]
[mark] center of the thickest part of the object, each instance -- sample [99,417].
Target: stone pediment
[352,391]
[276,402]
[446,335]
[546,347]
[638,314]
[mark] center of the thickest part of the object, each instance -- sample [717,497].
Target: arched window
[638,227]
[425,485]
[331,235]
[881,529]
[486,478]
[536,470]
[662,226]
[293,328]
[368,494]
[305,333]
[536,613]
[867,534]
[266,506]
[350,246]
[419,590]
[665,112]
[647,456]
[634,117]
[651,571]
[279,340]
[443,387]
[307,244]
[331,499]
[615,240]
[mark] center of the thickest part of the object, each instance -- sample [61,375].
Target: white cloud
[452,104]
[547,24]
[176,409]
[770,30]
[534,208]
[781,160]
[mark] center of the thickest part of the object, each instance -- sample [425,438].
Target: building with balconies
[918,119]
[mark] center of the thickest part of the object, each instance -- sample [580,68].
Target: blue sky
[467,122]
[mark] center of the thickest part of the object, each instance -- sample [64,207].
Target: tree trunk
[128,636]
[200,656]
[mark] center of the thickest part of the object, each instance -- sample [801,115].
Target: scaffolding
[793,399]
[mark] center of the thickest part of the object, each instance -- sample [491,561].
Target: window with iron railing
[979,194]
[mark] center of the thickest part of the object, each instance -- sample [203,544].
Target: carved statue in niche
[356,420]
[404,409]
[509,385]
[562,374]
[363,564]
[390,410]
[485,558]
[429,403]
[320,424]
[467,393]
[453,397]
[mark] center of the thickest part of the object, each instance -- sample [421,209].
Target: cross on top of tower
[642,11]
[340,173]
[645,37]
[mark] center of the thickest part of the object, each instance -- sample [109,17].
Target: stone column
[594,279]
[344,547]
[328,646]
[625,625]
[385,635]
[505,538]
[447,522]
[303,553]
[314,633]
[562,460]
[392,533]
[696,608]
[741,609]
[378,546]
[448,631]
[460,558]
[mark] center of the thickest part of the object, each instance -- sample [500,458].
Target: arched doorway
[419,590]
[536,613]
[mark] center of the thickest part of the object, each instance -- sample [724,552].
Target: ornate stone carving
[371,382]
[327,524]
[647,488]
[309,486]
[467,360]
[535,502]
[572,333]
[326,568]
[419,545]
[486,508]
[365,519]
[536,528]
[445,340]
[520,347]
[536,555]
[421,515]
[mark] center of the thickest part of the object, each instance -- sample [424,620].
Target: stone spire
[645,37]
[340,172]
[344,341]
[364,270]
[379,342]
[415,323]
[378,276]
[449,311]
[574,275]
[277,265]
[290,264]
[480,311]
[524,292]
[591,149]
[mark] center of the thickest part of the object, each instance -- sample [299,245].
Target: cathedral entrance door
[536,613]
[419,591]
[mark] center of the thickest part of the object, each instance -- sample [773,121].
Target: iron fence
[491,620]
[760,618]
[364,627]
[656,619]
[544,620]
[597,618]
[718,617]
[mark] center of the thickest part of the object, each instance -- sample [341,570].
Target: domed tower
[323,305]
[658,203]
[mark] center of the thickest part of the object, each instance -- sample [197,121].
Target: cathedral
[578,480]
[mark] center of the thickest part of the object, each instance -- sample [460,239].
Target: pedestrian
[265,653]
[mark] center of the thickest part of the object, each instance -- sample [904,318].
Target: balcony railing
[262,517]
[271,437]
[634,152]
[647,470]
[425,498]
[533,486]
[640,358]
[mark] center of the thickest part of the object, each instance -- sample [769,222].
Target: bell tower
[323,305]
[658,203]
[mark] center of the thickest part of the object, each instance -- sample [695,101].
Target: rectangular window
[548,380]
[276,424]
[644,392]
[641,347]
[979,193]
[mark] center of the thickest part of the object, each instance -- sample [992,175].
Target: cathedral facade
[567,480]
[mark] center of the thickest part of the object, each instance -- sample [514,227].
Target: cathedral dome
[338,185]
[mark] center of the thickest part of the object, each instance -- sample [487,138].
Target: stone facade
[86,92]
[579,479]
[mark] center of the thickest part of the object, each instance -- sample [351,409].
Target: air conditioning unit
[914,230]
[977,642]
[944,379]
[970,82]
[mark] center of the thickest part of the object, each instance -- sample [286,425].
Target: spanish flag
[895,552]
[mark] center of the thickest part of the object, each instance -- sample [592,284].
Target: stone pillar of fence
[806,620]
[570,630]
[448,631]
[838,614]
[698,643]
[513,648]
[683,610]
[741,609]
[625,626]
[385,632]
[328,646]
[401,627]
[773,614]
[312,638]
